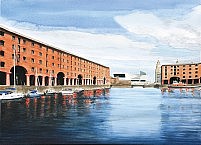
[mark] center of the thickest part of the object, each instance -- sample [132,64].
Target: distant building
[187,73]
[135,79]
[158,73]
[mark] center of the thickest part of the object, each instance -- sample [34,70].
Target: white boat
[50,92]
[66,92]
[33,93]
[9,95]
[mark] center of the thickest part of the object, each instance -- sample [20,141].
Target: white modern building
[135,79]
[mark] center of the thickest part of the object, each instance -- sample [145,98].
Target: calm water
[131,115]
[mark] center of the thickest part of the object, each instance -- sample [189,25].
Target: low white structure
[135,79]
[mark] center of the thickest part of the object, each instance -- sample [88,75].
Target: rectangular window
[32,44]
[19,40]
[32,51]
[24,58]
[46,70]
[40,53]
[40,70]
[24,49]
[52,57]
[32,69]
[24,41]
[13,37]
[2,42]
[1,33]
[1,53]
[32,60]
[18,48]
[52,64]
[40,61]
[2,64]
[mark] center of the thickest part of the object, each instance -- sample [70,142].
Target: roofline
[43,43]
[181,64]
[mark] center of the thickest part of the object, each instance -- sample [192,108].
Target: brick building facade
[38,63]
[186,73]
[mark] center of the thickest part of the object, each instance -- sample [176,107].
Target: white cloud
[184,33]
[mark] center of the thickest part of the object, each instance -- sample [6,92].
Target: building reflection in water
[181,115]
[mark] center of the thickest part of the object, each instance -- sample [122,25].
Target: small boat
[9,95]
[79,91]
[33,93]
[50,92]
[66,91]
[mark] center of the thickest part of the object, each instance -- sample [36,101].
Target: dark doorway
[104,80]
[20,77]
[2,78]
[94,80]
[79,79]
[32,80]
[46,81]
[39,81]
[174,79]
[60,78]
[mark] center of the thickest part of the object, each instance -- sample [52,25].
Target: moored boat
[66,91]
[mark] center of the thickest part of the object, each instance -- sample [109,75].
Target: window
[18,48]
[13,37]
[32,44]
[196,75]
[32,51]
[52,57]
[2,42]
[19,40]
[2,64]
[24,49]
[52,71]
[189,72]
[1,53]
[52,50]
[24,41]
[183,72]
[1,33]
[40,53]
[32,69]
[40,61]
[40,70]
[189,76]
[52,64]
[46,70]
[47,49]
[32,60]
[183,76]
[24,58]
[189,68]
[196,72]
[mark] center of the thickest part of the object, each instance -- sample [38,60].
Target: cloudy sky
[126,35]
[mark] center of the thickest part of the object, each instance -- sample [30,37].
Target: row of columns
[71,81]
[193,81]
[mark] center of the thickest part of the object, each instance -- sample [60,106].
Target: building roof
[43,43]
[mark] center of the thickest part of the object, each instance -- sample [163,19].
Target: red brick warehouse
[38,63]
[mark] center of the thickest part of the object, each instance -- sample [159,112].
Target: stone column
[8,79]
[69,81]
[50,81]
[28,79]
[55,81]
[36,80]
[43,80]
[64,81]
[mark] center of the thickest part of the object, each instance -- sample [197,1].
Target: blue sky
[126,35]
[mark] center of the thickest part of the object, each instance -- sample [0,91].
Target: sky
[126,35]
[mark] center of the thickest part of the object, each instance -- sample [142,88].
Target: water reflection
[121,115]
[181,116]
[52,119]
